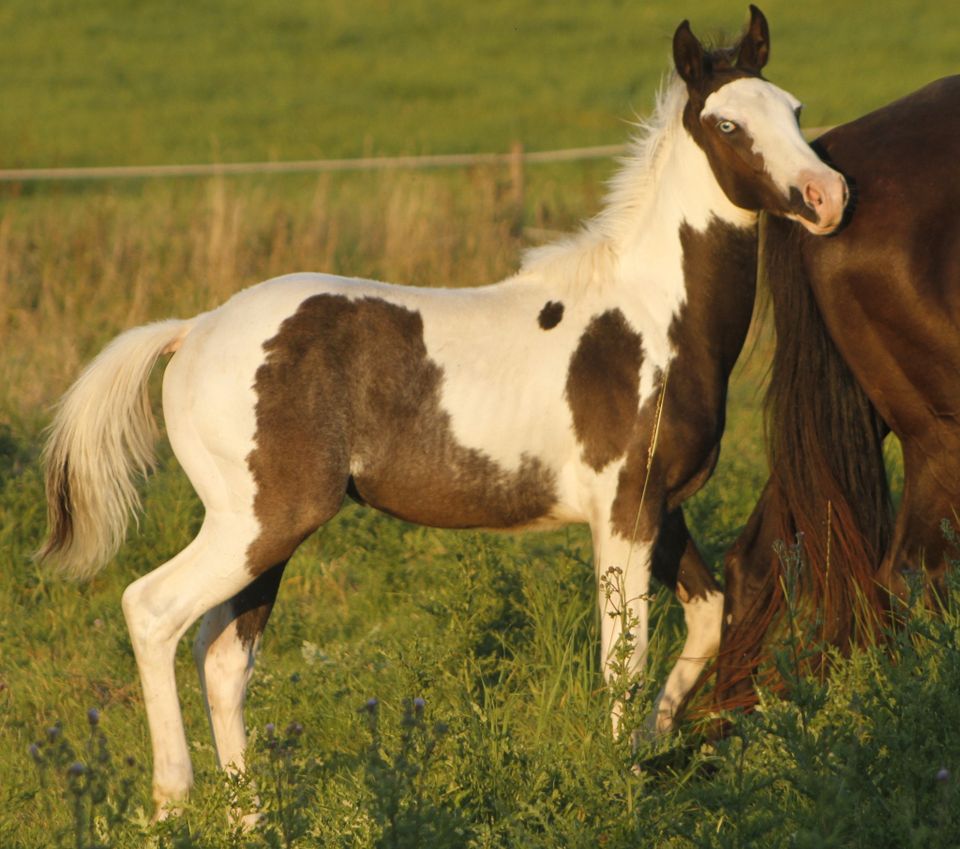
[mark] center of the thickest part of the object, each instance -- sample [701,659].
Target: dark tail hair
[827,502]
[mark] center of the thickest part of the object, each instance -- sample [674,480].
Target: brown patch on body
[719,267]
[603,387]
[551,315]
[347,386]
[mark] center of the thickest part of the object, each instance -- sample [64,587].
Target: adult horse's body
[868,339]
[538,400]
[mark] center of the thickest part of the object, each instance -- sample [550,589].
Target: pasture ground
[496,634]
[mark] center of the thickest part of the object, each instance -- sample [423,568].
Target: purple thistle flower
[93,717]
[943,774]
[419,704]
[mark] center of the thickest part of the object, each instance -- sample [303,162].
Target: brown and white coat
[589,387]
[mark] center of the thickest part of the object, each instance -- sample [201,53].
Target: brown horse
[868,341]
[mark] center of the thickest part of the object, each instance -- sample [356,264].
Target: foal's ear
[755,46]
[687,54]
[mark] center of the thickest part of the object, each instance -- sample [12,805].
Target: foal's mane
[588,256]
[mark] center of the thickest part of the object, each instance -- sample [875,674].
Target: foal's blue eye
[726,126]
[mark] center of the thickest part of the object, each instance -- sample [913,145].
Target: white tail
[103,433]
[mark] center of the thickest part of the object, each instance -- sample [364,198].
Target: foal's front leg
[624,567]
[623,572]
[677,564]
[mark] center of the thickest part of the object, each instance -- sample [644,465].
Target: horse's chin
[815,227]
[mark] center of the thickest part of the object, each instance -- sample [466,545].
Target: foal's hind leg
[677,564]
[225,650]
[159,608]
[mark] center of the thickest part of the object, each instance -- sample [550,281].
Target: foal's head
[749,130]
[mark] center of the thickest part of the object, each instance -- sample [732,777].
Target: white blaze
[768,114]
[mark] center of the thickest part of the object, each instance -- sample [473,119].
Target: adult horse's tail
[825,514]
[102,434]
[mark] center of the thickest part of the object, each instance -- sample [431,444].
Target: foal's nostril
[812,196]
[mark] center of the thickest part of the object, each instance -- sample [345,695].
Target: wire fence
[515,159]
[384,163]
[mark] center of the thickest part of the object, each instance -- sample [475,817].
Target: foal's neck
[682,193]
[687,246]
[633,249]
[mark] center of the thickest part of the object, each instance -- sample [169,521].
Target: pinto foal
[588,387]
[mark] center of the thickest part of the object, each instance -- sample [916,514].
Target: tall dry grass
[75,269]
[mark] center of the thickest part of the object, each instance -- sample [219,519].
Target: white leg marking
[703,616]
[159,608]
[225,666]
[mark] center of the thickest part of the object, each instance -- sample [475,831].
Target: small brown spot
[603,387]
[551,315]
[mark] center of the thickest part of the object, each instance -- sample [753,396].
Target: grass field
[110,83]
[496,634]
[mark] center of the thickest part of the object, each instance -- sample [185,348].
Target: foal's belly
[458,487]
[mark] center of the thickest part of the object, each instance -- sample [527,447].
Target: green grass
[112,83]
[497,634]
